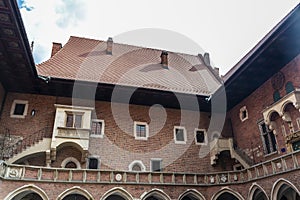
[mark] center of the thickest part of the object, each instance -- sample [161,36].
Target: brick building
[102,120]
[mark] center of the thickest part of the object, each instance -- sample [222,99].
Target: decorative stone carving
[14,172]
[278,81]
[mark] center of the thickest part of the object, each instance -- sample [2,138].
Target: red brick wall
[119,147]
[247,133]
[97,190]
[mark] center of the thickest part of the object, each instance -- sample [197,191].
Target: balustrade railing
[23,143]
[286,163]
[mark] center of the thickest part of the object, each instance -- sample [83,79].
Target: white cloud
[227,30]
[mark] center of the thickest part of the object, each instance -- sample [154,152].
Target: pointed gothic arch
[117,193]
[155,194]
[284,190]
[191,194]
[256,192]
[26,190]
[77,191]
[227,193]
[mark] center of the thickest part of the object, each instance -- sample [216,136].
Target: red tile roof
[86,60]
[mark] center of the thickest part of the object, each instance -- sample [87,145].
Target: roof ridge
[135,46]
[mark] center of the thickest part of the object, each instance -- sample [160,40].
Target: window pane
[69,122]
[19,109]
[179,135]
[267,144]
[71,165]
[289,87]
[200,136]
[273,141]
[141,130]
[136,167]
[93,163]
[78,119]
[156,165]
[97,128]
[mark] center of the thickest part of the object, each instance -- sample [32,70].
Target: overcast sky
[225,29]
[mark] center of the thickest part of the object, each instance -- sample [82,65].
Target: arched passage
[256,192]
[117,193]
[284,190]
[26,192]
[191,195]
[75,193]
[227,194]
[156,194]
[75,197]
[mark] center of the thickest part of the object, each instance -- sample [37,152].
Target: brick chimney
[55,48]
[164,59]
[109,47]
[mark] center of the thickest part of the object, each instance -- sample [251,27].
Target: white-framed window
[137,166]
[156,165]
[200,137]
[93,163]
[141,130]
[243,113]
[74,119]
[268,138]
[179,135]
[19,109]
[97,128]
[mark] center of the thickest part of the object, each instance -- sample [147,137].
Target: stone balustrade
[283,164]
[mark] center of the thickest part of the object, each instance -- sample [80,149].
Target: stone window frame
[243,110]
[74,113]
[138,162]
[93,157]
[205,137]
[102,128]
[184,135]
[153,160]
[13,107]
[70,159]
[135,124]
[268,133]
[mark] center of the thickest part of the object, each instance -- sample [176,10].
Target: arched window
[276,96]
[289,87]
[137,166]
[71,165]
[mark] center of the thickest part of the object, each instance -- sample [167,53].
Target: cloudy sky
[225,29]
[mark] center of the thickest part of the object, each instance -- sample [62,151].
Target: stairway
[13,146]
[226,144]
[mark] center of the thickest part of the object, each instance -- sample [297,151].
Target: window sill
[97,136]
[18,116]
[141,138]
[180,142]
[72,128]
